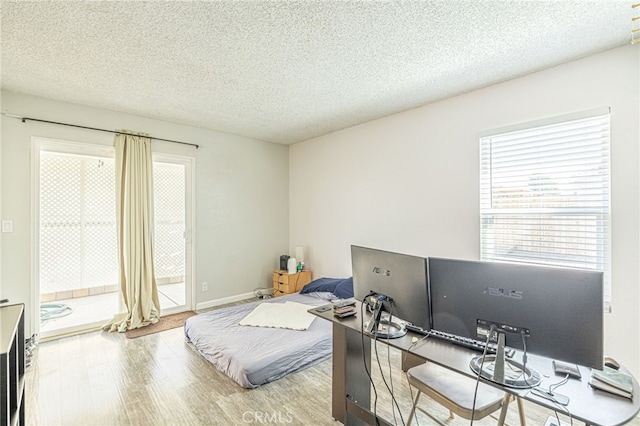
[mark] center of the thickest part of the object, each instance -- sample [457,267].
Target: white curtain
[134,169]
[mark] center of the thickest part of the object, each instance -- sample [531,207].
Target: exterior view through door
[77,253]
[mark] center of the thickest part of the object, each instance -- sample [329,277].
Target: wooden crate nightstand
[285,283]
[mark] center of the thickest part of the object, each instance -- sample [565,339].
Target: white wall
[410,182]
[241,223]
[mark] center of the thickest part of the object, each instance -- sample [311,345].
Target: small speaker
[284,260]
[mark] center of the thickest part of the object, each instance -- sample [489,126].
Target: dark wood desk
[12,408]
[351,390]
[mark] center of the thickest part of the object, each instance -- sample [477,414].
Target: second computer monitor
[559,310]
[401,277]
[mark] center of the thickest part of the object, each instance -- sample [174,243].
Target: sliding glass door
[76,256]
[172,200]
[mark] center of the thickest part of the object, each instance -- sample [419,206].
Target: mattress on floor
[253,356]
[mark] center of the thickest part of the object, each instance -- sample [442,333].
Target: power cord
[484,355]
[524,355]
[364,361]
[263,292]
[295,286]
[406,373]
[562,407]
[394,402]
[548,395]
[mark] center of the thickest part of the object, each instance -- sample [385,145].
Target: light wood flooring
[104,378]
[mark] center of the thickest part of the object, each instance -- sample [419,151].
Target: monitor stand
[506,372]
[383,328]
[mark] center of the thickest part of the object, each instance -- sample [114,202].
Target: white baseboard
[224,301]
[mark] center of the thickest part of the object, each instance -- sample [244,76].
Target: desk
[351,391]
[12,365]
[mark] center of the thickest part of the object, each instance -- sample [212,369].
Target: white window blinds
[544,194]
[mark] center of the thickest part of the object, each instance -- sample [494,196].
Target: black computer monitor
[559,310]
[397,281]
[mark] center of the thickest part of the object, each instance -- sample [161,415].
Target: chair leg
[523,420]
[413,409]
[505,407]
[451,415]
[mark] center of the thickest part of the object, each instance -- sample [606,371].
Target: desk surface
[9,318]
[586,404]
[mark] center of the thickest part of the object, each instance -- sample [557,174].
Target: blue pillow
[321,285]
[344,289]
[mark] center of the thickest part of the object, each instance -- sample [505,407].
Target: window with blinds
[544,194]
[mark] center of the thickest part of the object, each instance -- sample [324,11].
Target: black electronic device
[345,314]
[284,260]
[565,368]
[394,283]
[555,312]
[344,303]
[344,308]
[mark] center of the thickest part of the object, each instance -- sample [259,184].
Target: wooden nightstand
[285,283]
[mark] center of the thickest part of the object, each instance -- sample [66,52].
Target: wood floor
[106,379]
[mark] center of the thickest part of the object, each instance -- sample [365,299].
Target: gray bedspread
[252,356]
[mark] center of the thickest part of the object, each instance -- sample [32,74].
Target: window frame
[486,174]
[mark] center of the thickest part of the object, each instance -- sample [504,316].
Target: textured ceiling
[286,71]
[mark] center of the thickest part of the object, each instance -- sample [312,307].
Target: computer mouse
[611,363]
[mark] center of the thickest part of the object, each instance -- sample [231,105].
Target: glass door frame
[189,165]
[39,144]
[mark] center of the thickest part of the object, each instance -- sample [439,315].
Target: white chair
[455,392]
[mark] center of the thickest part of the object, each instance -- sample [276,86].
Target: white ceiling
[287,71]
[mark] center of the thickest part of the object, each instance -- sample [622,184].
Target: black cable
[375,347]
[484,354]
[393,397]
[541,393]
[557,417]
[390,389]
[557,385]
[406,373]
[548,395]
[296,284]
[567,412]
[524,356]
[263,292]
[364,359]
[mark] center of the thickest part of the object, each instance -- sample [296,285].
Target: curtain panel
[135,221]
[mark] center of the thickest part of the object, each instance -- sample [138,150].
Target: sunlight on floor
[99,308]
